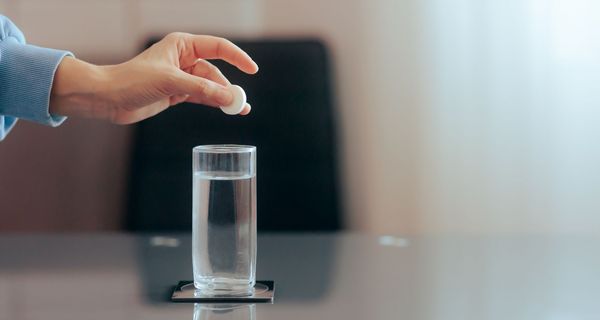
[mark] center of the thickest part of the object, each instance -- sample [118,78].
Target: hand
[173,70]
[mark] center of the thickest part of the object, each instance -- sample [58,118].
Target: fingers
[246,109]
[199,100]
[205,69]
[203,83]
[197,88]
[208,47]
[177,99]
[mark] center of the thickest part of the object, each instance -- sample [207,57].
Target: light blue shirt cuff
[6,124]
[26,73]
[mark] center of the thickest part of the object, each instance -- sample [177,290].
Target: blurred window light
[512,119]
[572,26]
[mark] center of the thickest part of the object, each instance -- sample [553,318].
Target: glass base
[224,287]
[185,291]
[229,292]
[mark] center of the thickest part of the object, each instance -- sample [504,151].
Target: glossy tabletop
[318,276]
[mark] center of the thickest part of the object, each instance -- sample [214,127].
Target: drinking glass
[224,219]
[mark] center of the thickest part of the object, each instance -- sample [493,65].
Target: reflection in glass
[224,311]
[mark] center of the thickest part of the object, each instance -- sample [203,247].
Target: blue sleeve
[26,75]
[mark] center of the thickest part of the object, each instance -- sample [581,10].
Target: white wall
[469,116]
[513,95]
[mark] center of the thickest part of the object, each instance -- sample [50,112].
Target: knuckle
[212,68]
[222,43]
[202,69]
[204,88]
[175,36]
[214,38]
[170,81]
[202,64]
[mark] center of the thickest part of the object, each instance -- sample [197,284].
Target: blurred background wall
[471,116]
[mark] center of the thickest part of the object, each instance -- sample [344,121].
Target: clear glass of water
[224,219]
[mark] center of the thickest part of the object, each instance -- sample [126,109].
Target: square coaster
[185,291]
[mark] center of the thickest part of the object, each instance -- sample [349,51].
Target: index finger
[209,47]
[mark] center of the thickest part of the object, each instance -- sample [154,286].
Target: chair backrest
[291,124]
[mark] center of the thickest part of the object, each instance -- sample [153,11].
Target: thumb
[200,89]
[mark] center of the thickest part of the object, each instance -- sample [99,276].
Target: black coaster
[185,291]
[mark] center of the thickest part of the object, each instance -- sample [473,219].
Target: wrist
[77,89]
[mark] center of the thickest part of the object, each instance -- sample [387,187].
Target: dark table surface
[318,276]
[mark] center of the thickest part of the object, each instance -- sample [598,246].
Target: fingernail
[224,97]
[246,110]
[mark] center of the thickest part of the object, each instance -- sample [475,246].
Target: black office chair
[292,124]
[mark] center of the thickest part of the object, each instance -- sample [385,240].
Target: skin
[172,71]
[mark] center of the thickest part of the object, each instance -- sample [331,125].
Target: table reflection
[221,311]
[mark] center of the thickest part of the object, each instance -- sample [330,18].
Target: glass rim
[224,148]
